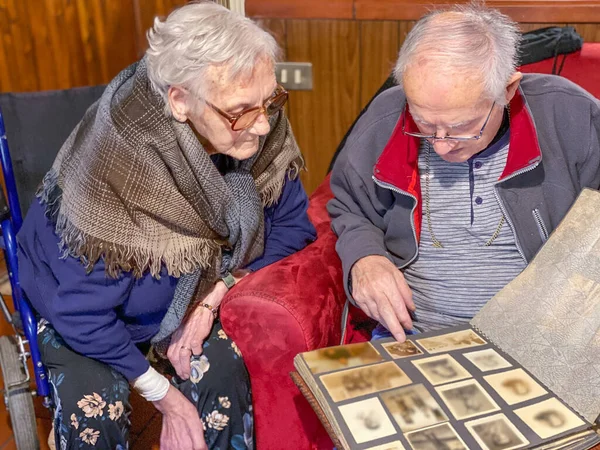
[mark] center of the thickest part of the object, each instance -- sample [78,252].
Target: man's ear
[177,102]
[513,85]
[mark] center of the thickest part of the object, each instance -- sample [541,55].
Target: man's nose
[442,146]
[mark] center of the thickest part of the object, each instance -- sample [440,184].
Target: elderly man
[451,182]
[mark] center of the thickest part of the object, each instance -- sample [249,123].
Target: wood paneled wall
[55,44]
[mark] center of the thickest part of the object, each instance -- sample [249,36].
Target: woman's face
[232,98]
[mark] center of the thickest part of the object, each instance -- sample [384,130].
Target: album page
[450,389]
[548,317]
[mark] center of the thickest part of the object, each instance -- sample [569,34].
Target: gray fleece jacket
[554,153]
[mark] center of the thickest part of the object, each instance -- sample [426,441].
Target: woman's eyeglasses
[433,137]
[246,118]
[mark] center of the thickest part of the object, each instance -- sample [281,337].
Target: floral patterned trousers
[92,400]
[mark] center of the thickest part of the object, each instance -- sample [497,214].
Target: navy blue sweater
[104,318]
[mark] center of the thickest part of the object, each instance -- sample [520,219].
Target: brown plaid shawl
[136,188]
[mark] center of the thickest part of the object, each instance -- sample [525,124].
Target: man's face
[445,104]
[233,98]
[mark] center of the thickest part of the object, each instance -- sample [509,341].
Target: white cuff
[151,385]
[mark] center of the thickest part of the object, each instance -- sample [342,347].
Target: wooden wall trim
[538,11]
[301,9]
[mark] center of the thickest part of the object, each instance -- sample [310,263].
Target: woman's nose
[261,125]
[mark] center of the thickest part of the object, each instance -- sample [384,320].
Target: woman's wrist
[151,385]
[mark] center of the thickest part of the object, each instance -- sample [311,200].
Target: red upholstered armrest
[303,289]
[286,308]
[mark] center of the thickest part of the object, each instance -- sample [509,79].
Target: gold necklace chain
[436,242]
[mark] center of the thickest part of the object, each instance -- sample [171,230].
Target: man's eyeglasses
[246,118]
[433,137]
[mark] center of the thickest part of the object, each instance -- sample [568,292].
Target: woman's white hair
[468,40]
[200,35]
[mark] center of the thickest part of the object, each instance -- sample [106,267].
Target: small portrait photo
[486,360]
[549,418]
[341,357]
[496,433]
[396,445]
[364,380]
[436,438]
[466,399]
[367,420]
[451,341]
[413,407]
[441,369]
[515,386]
[402,350]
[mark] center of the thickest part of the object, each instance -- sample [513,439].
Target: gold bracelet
[211,308]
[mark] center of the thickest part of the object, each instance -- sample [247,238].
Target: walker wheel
[18,400]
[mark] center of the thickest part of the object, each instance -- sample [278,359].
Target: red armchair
[296,305]
[289,307]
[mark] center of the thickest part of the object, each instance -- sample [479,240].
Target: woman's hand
[187,340]
[181,426]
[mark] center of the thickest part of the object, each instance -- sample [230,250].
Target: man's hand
[380,290]
[181,425]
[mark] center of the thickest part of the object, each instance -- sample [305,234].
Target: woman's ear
[177,102]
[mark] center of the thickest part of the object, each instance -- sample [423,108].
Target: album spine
[484,335]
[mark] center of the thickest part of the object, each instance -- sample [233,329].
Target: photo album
[524,373]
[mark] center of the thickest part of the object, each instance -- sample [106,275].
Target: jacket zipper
[393,188]
[540,223]
[520,172]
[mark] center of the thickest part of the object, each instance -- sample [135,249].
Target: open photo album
[524,373]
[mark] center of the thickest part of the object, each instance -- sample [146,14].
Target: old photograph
[364,380]
[515,386]
[549,418]
[439,437]
[341,357]
[396,445]
[486,360]
[467,399]
[413,407]
[441,369]
[367,420]
[402,350]
[451,341]
[496,433]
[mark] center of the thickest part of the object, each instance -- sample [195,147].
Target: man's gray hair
[200,35]
[465,39]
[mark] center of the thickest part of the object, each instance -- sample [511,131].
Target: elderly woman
[184,172]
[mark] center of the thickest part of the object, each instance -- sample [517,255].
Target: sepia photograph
[486,360]
[467,399]
[496,433]
[441,369]
[413,407]
[515,386]
[367,420]
[402,350]
[451,341]
[439,437]
[341,357]
[396,445]
[549,418]
[364,380]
